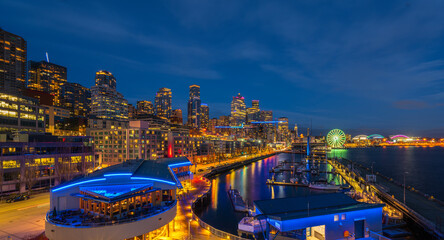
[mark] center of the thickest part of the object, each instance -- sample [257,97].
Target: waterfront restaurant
[320,216]
[135,199]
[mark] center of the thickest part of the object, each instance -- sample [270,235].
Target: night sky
[362,66]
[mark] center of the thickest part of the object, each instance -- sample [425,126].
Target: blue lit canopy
[111,192]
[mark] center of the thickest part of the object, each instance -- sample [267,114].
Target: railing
[378,236]
[106,222]
[215,231]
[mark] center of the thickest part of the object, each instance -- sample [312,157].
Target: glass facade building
[47,77]
[238,110]
[194,107]
[77,99]
[106,102]
[162,103]
[12,63]
[19,113]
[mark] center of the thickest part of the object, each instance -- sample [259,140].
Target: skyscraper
[283,131]
[145,107]
[253,113]
[205,116]
[176,117]
[132,112]
[162,103]
[266,115]
[76,98]
[12,63]
[238,110]
[47,77]
[106,102]
[194,107]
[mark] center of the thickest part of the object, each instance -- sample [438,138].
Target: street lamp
[189,228]
[404,185]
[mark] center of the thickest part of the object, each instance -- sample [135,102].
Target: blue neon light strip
[153,179]
[117,174]
[180,165]
[78,183]
[265,122]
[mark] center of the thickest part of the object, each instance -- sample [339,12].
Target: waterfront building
[296,130]
[12,63]
[133,200]
[77,99]
[176,117]
[322,216]
[145,107]
[132,112]
[253,113]
[106,102]
[205,116]
[47,77]
[36,161]
[162,103]
[20,113]
[194,107]
[238,110]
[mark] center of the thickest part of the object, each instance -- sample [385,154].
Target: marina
[283,184]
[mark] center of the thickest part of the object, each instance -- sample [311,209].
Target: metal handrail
[110,222]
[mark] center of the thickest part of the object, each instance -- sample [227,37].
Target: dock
[238,203]
[286,184]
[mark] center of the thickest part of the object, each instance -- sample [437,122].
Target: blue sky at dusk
[362,66]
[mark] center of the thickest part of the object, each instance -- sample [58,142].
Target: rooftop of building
[309,206]
[138,169]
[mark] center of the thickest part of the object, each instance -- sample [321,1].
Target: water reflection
[251,182]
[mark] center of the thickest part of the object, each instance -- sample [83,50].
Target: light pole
[404,186]
[189,229]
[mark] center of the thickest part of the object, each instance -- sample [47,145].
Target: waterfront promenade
[424,212]
[26,219]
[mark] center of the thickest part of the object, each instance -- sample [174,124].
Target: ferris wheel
[336,138]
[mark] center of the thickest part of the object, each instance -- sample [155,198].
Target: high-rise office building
[205,116]
[266,115]
[12,63]
[162,103]
[238,110]
[253,113]
[105,78]
[176,117]
[194,107]
[77,99]
[132,112]
[47,77]
[145,107]
[106,102]
[283,131]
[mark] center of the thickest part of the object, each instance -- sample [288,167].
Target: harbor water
[251,183]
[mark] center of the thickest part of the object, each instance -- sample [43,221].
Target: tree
[30,177]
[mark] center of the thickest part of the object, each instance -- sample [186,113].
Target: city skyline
[407,98]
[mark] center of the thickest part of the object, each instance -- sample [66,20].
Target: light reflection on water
[250,181]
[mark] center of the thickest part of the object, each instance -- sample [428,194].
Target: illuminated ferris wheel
[336,138]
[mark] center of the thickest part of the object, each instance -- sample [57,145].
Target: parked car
[17,198]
